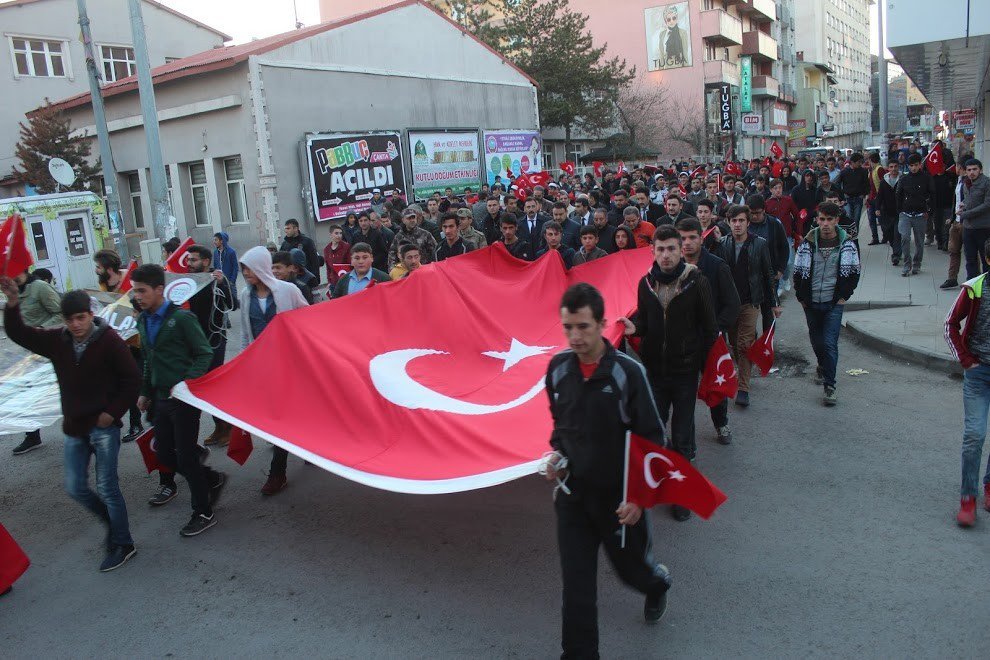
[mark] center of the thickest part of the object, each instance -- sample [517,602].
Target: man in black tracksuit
[596,395]
[725,300]
[676,320]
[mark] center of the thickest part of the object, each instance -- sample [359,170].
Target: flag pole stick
[625,485]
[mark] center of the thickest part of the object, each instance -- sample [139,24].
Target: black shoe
[656,602]
[874,242]
[133,433]
[905,273]
[679,513]
[31,441]
[895,261]
[117,557]
[949,284]
[217,488]
[829,399]
[198,524]
[164,495]
[724,435]
[742,399]
[916,270]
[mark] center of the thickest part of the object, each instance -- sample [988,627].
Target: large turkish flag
[430,384]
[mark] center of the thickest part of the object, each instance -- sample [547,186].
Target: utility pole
[114,216]
[161,209]
[882,72]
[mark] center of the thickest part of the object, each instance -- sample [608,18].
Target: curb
[901,352]
[864,305]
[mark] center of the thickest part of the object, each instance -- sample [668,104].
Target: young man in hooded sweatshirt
[263,298]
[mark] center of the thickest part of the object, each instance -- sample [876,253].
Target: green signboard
[746,83]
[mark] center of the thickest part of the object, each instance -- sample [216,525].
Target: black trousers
[134,413]
[720,414]
[280,461]
[676,397]
[585,520]
[176,445]
[219,354]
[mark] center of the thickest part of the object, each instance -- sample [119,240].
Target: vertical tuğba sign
[725,109]
[344,169]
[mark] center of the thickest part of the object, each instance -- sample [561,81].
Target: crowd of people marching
[729,239]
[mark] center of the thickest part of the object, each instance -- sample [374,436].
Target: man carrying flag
[826,272]
[596,395]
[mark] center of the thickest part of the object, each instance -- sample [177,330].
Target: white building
[44,56]
[837,34]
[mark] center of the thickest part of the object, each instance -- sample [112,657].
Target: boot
[967,512]
[222,432]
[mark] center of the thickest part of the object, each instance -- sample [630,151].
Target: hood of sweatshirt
[259,260]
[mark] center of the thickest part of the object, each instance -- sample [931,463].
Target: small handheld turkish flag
[240,445]
[682,190]
[15,258]
[720,379]
[146,443]
[655,475]
[125,283]
[13,561]
[733,168]
[777,169]
[698,171]
[776,150]
[935,160]
[568,167]
[597,166]
[621,168]
[761,352]
[176,262]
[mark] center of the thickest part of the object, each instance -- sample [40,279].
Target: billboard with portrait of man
[668,36]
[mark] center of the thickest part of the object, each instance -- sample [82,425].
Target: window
[118,62]
[548,159]
[577,150]
[197,181]
[38,57]
[236,192]
[75,236]
[134,185]
[40,243]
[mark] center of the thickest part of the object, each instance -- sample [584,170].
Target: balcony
[765,86]
[759,10]
[719,72]
[720,28]
[759,45]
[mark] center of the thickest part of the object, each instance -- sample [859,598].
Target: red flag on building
[776,150]
[15,257]
[177,261]
[568,167]
[146,443]
[720,379]
[761,352]
[240,445]
[125,282]
[13,561]
[468,393]
[662,476]
[935,160]
[597,166]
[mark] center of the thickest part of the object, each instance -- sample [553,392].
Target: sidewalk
[903,316]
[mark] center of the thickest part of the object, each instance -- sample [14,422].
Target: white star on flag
[676,475]
[719,379]
[517,352]
[766,352]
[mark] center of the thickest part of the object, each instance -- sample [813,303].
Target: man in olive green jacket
[175,349]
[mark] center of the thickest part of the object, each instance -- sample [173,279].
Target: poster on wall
[518,152]
[444,159]
[668,36]
[345,168]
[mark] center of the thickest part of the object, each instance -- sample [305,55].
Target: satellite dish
[61,171]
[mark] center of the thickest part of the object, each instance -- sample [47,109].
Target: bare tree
[642,108]
[685,124]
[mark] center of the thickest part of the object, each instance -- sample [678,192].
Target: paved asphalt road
[837,540]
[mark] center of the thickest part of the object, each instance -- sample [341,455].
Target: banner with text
[518,152]
[443,160]
[344,169]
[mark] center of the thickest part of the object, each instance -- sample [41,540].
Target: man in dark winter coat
[295,239]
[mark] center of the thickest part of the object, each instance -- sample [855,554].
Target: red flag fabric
[240,445]
[176,262]
[125,282]
[720,379]
[761,352]
[682,190]
[621,168]
[568,167]
[776,150]
[13,561]
[468,393]
[935,160]
[146,443]
[777,169]
[597,166]
[803,214]
[662,476]
[733,168]
[15,257]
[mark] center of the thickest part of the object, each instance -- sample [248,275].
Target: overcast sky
[247,19]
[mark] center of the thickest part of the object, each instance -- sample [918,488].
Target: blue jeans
[824,323]
[976,403]
[107,503]
[854,207]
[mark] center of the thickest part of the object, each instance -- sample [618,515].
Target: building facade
[45,59]
[234,120]
[837,34]
[816,98]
